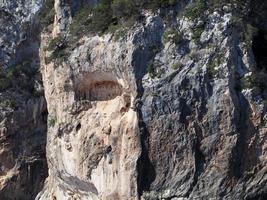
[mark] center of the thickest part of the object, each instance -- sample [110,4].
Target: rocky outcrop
[17,24]
[101,136]
[23,113]
[187,129]
[22,151]
[173,107]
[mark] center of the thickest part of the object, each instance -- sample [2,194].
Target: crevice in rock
[199,166]
[237,168]
[145,169]
[245,156]
[78,127]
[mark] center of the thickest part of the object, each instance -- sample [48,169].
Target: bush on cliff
[108,13]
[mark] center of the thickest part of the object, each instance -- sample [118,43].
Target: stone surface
[192,127]
[23,114]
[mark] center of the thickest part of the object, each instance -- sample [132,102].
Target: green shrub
[249,82]
[154,69]
[114,27]
[194,55]
[57,47]
[57,55]
[20,76]
[151,69]
[102,16]
[107,13]
[124,9]
[81,21]
[120,33]
[5,83]
[172,35]
[52,121]
[22,69]
[47,13]
[197,32]
[155,4]
[211,67]
[216,61]
[177,65]
[9,103]
[196,10]
[57,43]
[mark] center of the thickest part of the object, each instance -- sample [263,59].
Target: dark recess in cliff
[259,47]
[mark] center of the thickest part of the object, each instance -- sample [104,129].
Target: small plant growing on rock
[249,81]
[81,22]
[47,14]
[57,46]
[118,31]
[52,121]
[194,55]
[56,43]
[211,67]
[177,65]
[102,16]
[22,73]
[9,103]
[196,9]
[154,69]
[197,32]
[150,69]
[172,35]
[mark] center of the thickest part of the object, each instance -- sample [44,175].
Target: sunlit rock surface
[142,117]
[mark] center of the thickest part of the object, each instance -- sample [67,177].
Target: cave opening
[259,48]
[258,77]
[97,87]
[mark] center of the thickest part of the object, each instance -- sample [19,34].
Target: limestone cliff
[23,113]
[149,99]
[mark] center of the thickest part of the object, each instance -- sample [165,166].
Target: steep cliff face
[163,101]
[171,109]
[23,112]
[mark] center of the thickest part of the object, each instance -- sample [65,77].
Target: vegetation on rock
[20,77]
[47,14]
[172,35]
[57,46]
[108,13]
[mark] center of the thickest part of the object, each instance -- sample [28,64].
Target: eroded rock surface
[184,130]
[175,108]
[23,113]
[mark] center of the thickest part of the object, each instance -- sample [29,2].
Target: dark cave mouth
[257,80]
[259,48]
[97,86]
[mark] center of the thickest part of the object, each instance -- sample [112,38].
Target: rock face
[173,109]
[93,143]
[22,155]
[23,113]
